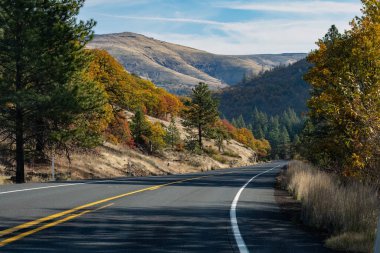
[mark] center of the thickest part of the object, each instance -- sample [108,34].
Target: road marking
[55,186]
[70,211]
[38,188]
[234,223]
[49,225]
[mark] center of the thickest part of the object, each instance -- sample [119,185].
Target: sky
[226,27]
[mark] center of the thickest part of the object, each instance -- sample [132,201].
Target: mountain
[272,92]
[179,68]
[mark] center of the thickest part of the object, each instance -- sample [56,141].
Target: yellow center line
[49,225]
[70,211]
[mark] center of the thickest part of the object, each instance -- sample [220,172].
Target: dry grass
[220,159]
[5,180]
[347,211]
[231,153]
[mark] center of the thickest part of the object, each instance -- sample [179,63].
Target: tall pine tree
[41,55]
[202,111]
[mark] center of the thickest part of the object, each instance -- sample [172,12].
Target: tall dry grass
[348,211]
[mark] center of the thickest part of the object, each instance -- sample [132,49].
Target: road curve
[179,213]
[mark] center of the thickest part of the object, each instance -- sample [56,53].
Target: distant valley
[178,68]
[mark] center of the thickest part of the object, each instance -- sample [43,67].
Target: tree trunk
[40,143]
[200,136]
[20,174]
[19,120]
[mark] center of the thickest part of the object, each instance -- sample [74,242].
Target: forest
[282,131]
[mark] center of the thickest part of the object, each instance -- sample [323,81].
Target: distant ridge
[272,92]
[179,68]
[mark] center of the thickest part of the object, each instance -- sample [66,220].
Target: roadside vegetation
[341,136]
[347,210]
[59,98]
[342,133]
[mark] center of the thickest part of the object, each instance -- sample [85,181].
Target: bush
[231,154]
[220,159]
[345,210]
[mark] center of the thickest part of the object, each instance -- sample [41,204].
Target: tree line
[282,131]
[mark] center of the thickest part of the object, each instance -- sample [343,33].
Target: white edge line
[234,223]
[54,186]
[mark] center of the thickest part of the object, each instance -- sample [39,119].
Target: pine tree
[220,135]
[172,137]
[284,143]
[41,55]
[234,123]
[240,123]
[140,128]
[260,133]
[202,111]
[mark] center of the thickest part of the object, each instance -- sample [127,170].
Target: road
[216,211]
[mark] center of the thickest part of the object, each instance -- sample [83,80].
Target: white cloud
[314,7]
[250,37]
[278,36]
[162,19]
[270,35]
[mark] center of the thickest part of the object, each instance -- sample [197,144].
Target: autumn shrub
[348,211]
[246,137]
[118,131]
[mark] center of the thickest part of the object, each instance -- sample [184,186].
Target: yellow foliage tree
[345,102]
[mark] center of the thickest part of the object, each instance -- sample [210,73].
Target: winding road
[231,210]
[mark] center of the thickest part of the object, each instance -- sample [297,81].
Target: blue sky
[225,27]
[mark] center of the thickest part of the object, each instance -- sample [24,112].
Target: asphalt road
[179,213]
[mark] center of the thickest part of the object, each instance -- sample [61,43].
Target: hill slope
[272,92]
[178,68]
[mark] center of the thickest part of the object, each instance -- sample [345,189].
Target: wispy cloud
[163,19]
[314,7]
[94,3]
[259,36]
[226,26]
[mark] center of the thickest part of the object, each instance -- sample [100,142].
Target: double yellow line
[72,214]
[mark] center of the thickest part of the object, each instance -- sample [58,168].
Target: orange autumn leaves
[125,91]
[245,136]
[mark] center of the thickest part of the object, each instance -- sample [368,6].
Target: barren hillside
[179,68]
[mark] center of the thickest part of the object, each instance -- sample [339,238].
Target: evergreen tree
[260,133]
[274,135]
[284,143]
[41,55]
[202,112]
[240,123]
[140,128]
[234,123]
[220,134]
[172,136]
